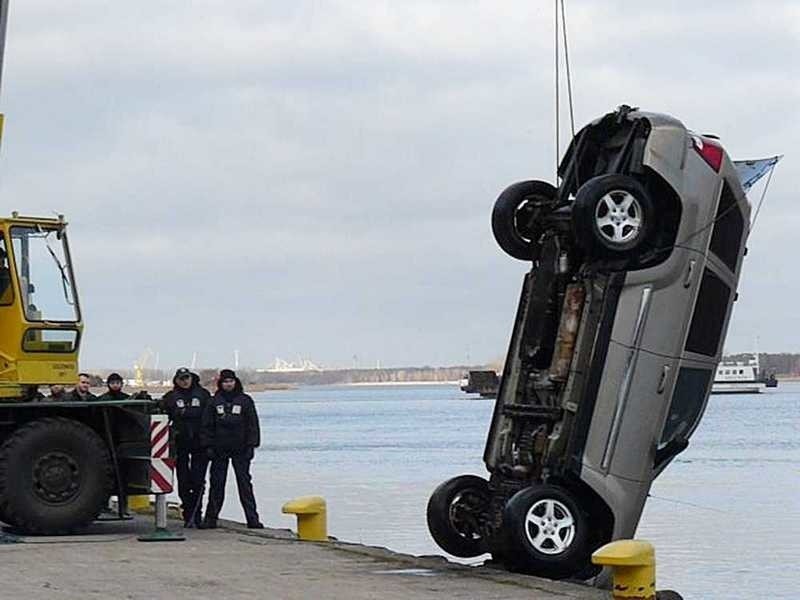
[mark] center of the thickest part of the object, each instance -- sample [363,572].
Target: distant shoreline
[390,383]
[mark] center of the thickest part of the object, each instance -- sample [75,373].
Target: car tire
[454,511]
[55,475]
[515,216]
[613,216]
[546,532]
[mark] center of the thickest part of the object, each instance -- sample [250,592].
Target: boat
[736,377]
[485,383]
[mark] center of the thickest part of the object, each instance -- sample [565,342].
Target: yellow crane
[140,366]
[60,459]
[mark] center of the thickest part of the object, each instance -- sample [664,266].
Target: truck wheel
[55,474]
[516,216]
[4,518]
[612,216]
[546,532]
[454,515]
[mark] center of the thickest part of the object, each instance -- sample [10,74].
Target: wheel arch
[599,512]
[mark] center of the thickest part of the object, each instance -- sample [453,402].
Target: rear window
[709,315]
[728,229]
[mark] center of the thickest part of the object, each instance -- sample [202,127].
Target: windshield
[45,274]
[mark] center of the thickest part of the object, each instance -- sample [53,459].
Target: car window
[709,314]
[728,228]
[687,403]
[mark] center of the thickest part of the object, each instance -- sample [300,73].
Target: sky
[316,178]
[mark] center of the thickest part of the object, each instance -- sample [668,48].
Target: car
[636,257]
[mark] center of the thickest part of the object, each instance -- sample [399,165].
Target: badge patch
[195,401]
[180,403]
[220,409]
[236,409]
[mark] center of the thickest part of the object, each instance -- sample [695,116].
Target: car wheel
[454,515]
[612,216]
[55,474]
[546,532]
[516,217]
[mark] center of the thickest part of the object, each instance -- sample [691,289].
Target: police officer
[185,405]
[231,434]
[114,383]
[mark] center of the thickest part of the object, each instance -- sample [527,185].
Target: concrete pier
[236,563]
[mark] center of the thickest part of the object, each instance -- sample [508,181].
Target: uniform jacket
[185,408]
[230,422]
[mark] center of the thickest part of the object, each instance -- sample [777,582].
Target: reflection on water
[725,516]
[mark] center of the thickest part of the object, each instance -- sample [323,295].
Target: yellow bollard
[634,566]
[138,503]
[312,517]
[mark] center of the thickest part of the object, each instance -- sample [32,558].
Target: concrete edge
[435,562]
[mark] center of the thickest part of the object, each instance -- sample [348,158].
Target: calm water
[725,517]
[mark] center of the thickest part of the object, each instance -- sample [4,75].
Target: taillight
[711,152]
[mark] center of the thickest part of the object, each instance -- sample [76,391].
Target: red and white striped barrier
[161,465]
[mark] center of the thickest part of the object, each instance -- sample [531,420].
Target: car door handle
[662,383]
[689,272]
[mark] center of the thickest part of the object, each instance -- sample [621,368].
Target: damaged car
[635,259]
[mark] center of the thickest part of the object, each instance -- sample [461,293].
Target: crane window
[50,340]
[6,285]
[45,276]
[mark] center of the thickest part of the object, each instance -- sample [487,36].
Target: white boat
[738,378]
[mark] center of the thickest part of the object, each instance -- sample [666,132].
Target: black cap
[114,377]
[227,374]
[182,372]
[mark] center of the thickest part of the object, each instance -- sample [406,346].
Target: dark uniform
[185,407]
[231,433]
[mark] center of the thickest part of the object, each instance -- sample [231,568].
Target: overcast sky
[316,178]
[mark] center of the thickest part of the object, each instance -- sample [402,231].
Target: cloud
[316,177]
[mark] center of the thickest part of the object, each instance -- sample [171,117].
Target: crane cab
[40,317]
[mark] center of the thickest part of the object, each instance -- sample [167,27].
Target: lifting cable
[692,504]
[558,86]
[560,27]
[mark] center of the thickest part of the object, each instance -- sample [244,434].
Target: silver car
[636,258]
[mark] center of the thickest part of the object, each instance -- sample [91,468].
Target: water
[725,516]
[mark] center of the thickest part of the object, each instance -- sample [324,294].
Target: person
[231,433]
[185,404]
[5,278]
[57,392]
[114,383]
[81,392]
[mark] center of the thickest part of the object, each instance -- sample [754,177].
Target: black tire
[4,518]
[515,217]
[547,550]
[627,210]
[55,475]
[454,511]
